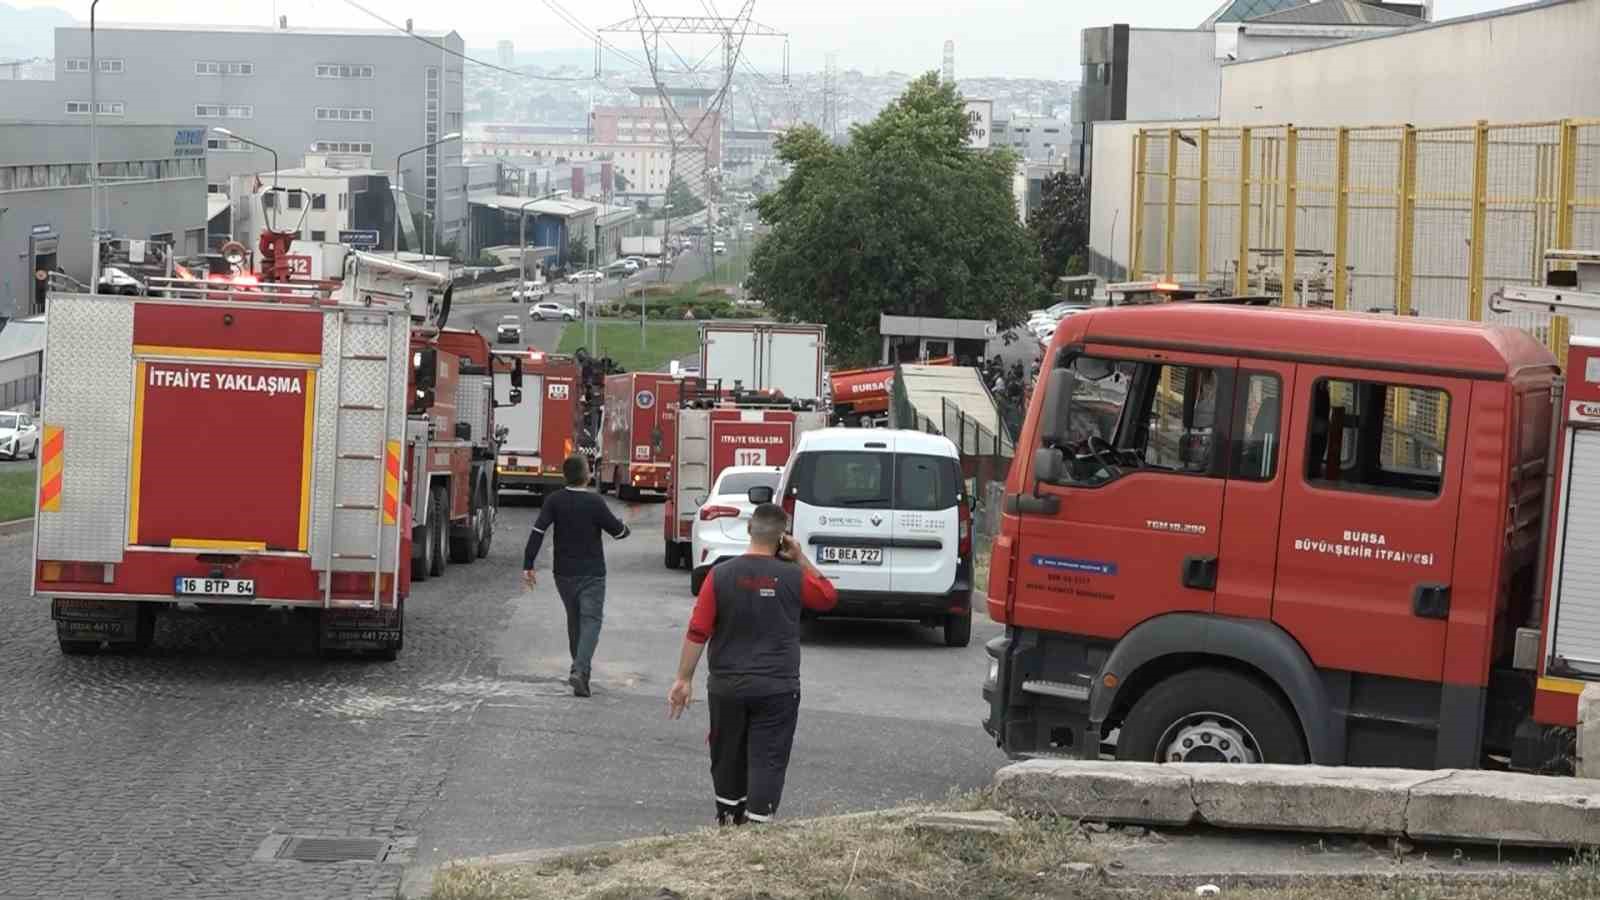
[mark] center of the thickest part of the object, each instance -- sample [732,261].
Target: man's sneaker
[580,684]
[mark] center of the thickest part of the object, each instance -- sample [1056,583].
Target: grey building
[296,90]
[152,187]
[1036,139]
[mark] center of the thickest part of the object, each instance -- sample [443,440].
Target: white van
[883,514]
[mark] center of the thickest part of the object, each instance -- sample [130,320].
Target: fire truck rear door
[1366,544]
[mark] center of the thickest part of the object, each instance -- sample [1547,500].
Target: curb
[16,526]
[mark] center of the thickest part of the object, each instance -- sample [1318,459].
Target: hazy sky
[1037,38]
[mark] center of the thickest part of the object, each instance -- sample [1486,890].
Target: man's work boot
[580,684]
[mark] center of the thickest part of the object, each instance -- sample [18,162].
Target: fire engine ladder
[1580,298]
[363,432]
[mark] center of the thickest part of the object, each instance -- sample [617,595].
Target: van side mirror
[1053,417]
[1049,466]
[759,495]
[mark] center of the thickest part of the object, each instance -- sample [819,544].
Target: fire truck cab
[1242,534]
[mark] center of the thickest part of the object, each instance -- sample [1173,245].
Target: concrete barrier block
[1505,807]
[1303,798]
[1146,793]
[1589,732]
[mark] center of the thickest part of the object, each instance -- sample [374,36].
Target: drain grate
[323,849]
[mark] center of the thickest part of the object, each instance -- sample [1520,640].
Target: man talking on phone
[748,610]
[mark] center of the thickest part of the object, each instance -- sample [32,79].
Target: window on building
[344,200]
[319,235]
[111,66]
[343,114]
[220,111]
[228,144]
[162,237]
[363,147]
[223,68]
[77,65]
[1384,438]
[269,200]
[344,70]
[216,188]
[319,201]
[105,107]
[297,200]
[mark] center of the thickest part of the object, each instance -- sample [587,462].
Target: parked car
[19,436]
[722,529]
[549,310]
[586,275]
[749,228]
[640,263]
[884,514]
[719,248]
[509,331]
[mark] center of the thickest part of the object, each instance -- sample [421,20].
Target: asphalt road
[164,774]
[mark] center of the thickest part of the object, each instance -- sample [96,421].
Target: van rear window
[912,481]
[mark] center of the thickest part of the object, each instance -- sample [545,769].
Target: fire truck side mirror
[1048,466]
[516,396]
[516,379]
[1054,415]
[426,364]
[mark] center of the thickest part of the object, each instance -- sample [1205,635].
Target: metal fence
[1397,219]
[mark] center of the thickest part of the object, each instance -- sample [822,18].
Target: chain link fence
[1388,219]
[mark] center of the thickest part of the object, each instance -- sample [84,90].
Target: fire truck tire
[439,531]
[485,522]
[1211,715]
[627,492]
[958,630]
[464,547]
[422,551]
[670,559]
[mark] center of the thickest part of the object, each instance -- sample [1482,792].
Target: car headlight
[994,670]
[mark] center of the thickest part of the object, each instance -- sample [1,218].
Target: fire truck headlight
[994,671]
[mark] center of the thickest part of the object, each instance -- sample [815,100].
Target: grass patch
[16,495]
[664,341]
[878,857]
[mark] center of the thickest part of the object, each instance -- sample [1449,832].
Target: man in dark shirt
[580,564]
[749,611]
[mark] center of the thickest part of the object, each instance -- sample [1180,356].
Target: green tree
[577,252]
[681,201]
[904,220]
[1060,226]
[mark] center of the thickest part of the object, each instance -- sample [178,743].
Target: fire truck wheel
[674,556]
[1211,715]
[438,527]
[422,547]
[485,522]
[464,548]
[627,492]
[958,630]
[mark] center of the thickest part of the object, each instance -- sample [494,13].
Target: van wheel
[958,630]
[438,525]
[1211,715]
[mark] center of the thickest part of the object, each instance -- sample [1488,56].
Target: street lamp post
[398,184]
[94,158]
[244,140]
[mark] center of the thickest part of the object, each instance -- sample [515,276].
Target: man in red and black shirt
[749,612]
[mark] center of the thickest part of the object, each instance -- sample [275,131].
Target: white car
[722,529]
[509,331]
[19,436]
[885,515]
[639,263]
[530,290]
[749,228]
[1045,333]
[549,310]
[719,248]
[586,275]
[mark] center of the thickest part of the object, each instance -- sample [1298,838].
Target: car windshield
[740,483]
[8,420]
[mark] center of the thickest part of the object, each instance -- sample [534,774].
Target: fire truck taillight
[710,513]
[357,583]
[76,572]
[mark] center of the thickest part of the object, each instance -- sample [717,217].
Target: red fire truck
[260,442]
[1304,536]
[637,442]
[861,396]
[717,429]
[539,431]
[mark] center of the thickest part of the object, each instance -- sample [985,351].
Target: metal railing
[1397,219]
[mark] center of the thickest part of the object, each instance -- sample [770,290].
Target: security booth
[919,338]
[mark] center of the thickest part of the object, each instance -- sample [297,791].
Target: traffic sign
[359,238]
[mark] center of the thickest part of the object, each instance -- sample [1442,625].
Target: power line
[584,30]
[462,56]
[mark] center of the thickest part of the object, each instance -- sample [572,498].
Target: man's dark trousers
[750,742]
[584,596]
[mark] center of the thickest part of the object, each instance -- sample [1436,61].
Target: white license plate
[855,556]
[215,587]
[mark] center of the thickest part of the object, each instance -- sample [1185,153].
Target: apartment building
[372,93]
[687,122]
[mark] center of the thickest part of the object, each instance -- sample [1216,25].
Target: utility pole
[94,158]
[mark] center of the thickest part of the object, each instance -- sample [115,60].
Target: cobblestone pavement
[161,775]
